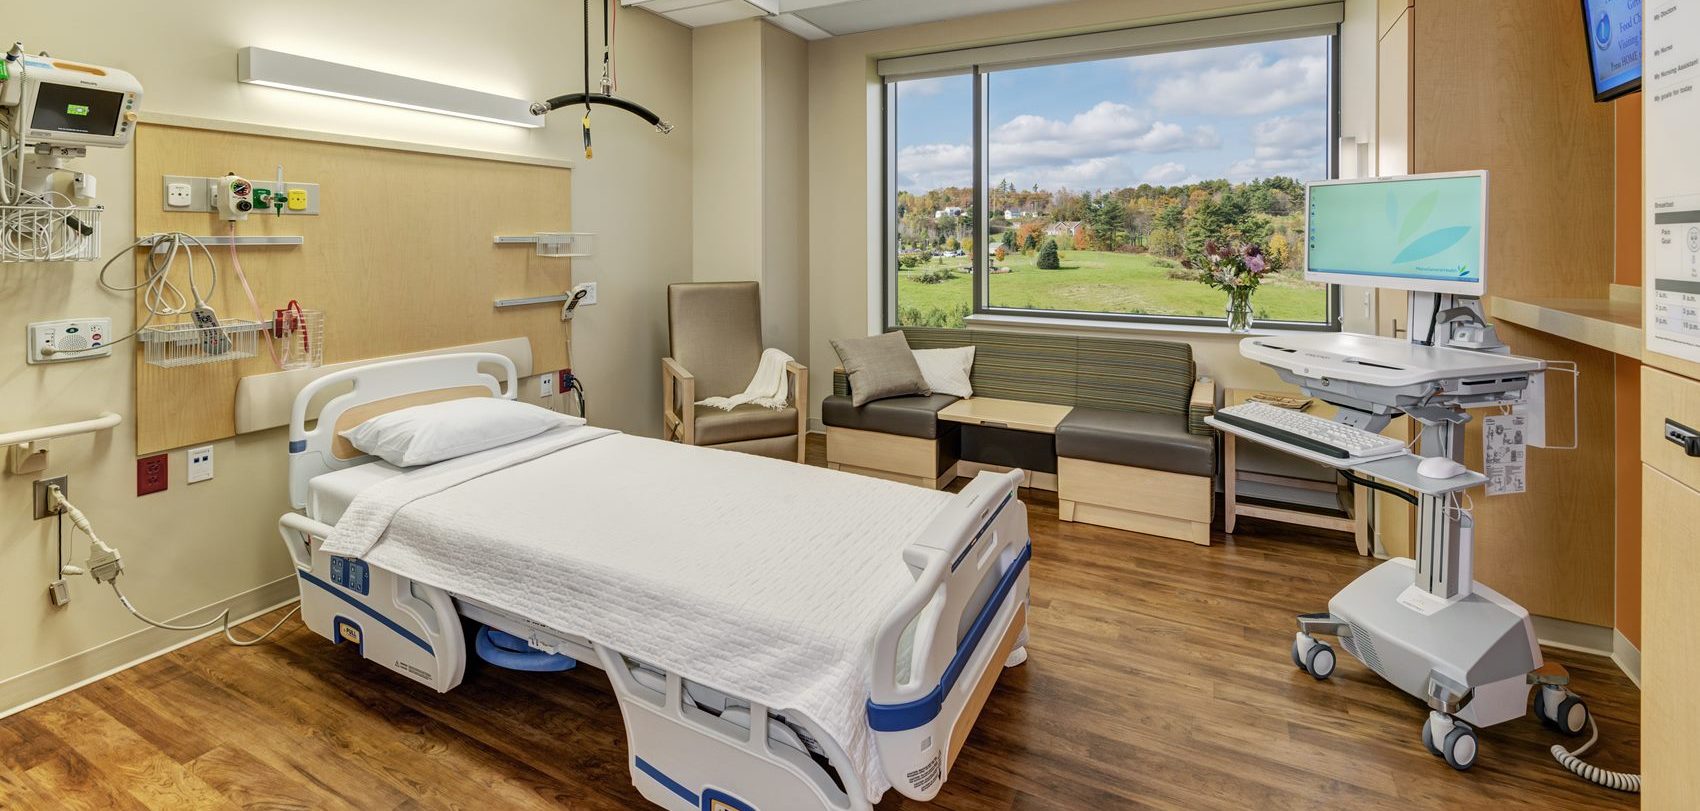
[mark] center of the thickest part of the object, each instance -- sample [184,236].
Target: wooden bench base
[1155,502]
[907,459]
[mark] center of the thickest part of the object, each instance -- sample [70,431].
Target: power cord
[1572,760]
[105,565]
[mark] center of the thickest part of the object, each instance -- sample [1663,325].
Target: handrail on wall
[106,420]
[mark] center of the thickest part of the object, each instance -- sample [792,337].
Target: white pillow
[423,434]
[946,370]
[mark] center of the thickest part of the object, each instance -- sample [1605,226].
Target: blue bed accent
[911,714]
[668,783]
[367,610]
[503,649]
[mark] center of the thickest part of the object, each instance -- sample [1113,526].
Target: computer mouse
[1440,467]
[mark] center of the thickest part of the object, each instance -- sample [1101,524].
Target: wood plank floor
[1159,678]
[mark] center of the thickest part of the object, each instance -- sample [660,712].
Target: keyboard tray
[1400,469]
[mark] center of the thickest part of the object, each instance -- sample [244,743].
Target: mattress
[760,578]
[329,494]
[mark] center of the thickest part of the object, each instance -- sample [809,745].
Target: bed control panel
[351,574]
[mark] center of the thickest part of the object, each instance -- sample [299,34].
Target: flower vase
[1239,310]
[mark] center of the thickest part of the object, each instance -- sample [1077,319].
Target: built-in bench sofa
[1133,453]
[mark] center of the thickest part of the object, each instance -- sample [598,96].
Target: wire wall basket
[186,344]
[300,336]
[42,233]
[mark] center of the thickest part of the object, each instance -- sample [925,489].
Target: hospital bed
[706,728]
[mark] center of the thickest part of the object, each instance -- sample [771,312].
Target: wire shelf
[186,344]
[300,337]
[43,233]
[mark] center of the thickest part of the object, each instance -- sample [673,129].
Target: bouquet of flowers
[1236,270]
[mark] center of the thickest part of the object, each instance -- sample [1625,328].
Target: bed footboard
[939,654]
[405,626]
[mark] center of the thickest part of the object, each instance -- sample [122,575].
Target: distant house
[951,211]
[1063,229]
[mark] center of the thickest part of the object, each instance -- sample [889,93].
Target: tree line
[1172,221]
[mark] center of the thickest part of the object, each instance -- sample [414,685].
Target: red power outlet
[153,474]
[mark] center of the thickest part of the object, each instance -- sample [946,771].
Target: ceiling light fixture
[269,68]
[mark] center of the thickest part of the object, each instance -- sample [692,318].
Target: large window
[1100,179]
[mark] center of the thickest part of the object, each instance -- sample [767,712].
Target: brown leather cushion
[904,416]
[1136,439]
[714,331]
[748,421]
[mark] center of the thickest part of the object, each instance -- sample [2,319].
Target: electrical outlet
[153,474]
[179,195]
[42,508]
[545,384]
[200,463]
[564,379]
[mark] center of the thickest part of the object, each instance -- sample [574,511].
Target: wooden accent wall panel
[400,259]
[1504,86]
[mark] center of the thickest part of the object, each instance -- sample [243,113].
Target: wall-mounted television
[1614,46]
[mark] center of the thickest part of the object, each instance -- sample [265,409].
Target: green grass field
[1097,281]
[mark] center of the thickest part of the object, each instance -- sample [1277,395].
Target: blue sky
[1239,112]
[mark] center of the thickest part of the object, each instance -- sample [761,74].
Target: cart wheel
[1459,749]
[1319,661]
[1428,739]
[1298,662]
[1572,716]
[1541,706]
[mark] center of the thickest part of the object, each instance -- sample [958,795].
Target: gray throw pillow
[879,367]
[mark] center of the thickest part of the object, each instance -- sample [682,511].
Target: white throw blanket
[760,578]
[767,388]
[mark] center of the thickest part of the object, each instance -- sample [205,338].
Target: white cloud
[1106,128]
[1253,83]
[1164,174]
[1283,145]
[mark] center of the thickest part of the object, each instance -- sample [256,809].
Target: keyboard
[1315,434]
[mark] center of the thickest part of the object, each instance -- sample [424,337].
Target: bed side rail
[939,653]
[408,627]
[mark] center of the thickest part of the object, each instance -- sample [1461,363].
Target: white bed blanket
[759,578]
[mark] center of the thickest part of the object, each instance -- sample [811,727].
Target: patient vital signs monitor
[1419,232]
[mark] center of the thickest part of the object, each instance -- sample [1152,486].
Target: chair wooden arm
[1201,404]
[678,403]
[799,375]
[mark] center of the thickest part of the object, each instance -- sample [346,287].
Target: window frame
[979,304]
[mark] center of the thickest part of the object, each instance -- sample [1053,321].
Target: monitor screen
[80,110]
[1416,232]
[1614,45]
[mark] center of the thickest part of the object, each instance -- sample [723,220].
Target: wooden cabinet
[1670,570]
[1503,86]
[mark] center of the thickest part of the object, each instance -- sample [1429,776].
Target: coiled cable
[1572,760]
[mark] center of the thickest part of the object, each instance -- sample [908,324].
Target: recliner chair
[714,344]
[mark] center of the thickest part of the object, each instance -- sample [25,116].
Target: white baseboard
[1576,636]
[1626,655]
[30,688]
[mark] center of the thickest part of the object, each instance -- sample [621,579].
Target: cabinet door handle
[1684,436]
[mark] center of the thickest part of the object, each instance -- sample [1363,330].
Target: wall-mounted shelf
[504,303]
[554,244]
[240,241]
[1612,323]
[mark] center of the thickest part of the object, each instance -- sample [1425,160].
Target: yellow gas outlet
[297,199]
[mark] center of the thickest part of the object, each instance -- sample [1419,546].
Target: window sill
[1078,325]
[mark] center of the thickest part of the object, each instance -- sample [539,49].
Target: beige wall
[751,172]
[845,204]
[195,546]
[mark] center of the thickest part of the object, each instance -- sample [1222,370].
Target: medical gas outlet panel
[222,196]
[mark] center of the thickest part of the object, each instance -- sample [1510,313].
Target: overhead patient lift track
[694,748]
